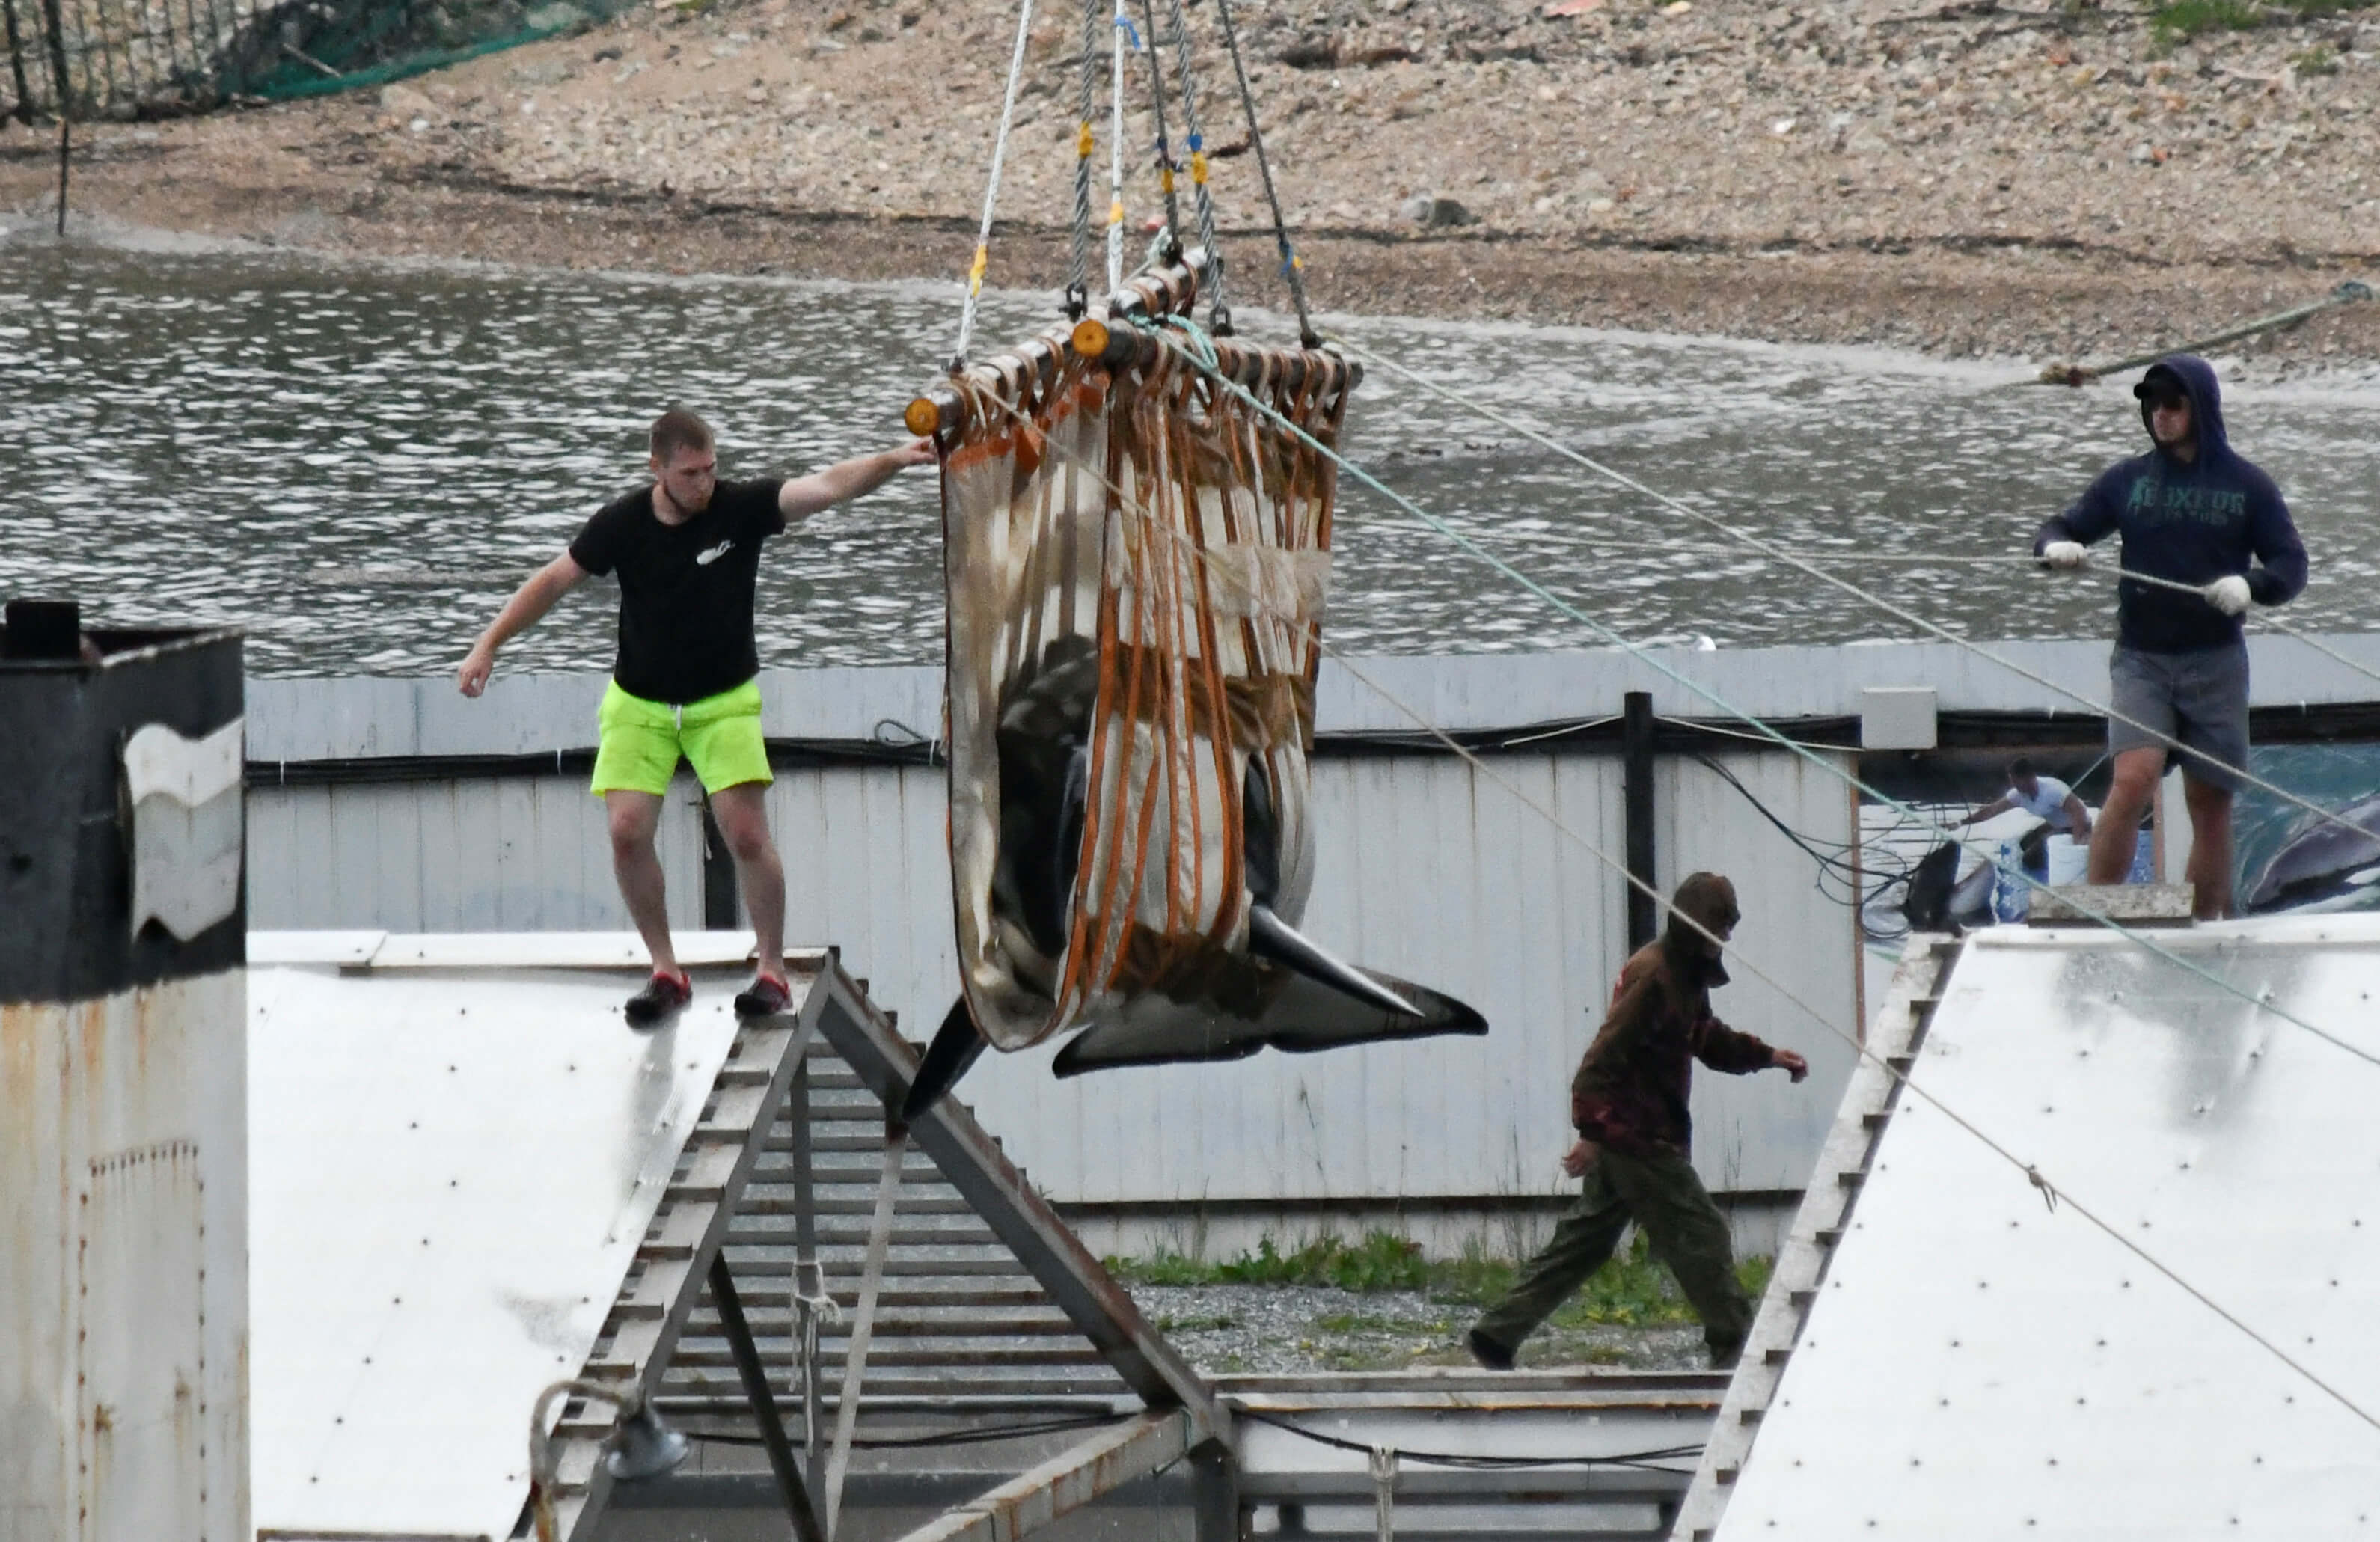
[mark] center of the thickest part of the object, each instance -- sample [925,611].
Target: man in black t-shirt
[687,550]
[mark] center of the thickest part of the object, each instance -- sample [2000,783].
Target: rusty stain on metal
[113,1109]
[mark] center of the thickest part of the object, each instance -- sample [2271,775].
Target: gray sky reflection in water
[356,463]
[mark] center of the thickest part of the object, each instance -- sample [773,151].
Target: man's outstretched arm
[804,496]
[529,604]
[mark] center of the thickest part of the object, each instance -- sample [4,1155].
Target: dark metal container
[74,818]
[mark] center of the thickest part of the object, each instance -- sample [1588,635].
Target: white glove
[2227,594]
[2065,553]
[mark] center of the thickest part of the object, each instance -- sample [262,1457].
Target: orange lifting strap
[1137,562]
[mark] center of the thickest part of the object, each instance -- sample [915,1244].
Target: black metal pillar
[718,875]
[16,62]
[1636,741]
[790,1486]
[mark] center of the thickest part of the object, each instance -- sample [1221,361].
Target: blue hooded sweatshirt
[2192,522]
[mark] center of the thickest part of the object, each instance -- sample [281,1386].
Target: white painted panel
[1980,1365]
[140,1360]
[1427,868]
[511,1144]
[523,854]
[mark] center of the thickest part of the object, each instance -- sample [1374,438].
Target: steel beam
[1066,1482]
[1045,1244]
[789,1487]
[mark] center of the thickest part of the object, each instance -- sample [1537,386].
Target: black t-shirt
[686,590]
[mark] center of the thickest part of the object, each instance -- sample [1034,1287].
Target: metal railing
[124,59]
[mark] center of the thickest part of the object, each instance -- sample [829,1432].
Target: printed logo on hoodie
[2166,503]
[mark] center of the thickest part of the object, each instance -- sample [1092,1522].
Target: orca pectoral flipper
[1270,937]
[956,1044]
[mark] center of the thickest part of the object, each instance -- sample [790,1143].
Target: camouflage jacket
[1631,1088]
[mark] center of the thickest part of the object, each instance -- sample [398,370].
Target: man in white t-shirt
[2045,797]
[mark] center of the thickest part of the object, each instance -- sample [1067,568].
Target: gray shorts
[2199,699]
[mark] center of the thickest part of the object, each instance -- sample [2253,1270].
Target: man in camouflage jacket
[1628,1101]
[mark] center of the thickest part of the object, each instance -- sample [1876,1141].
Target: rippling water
[356,463]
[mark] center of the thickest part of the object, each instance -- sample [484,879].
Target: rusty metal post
[1215,1494]
[790,1486]
[1636,745]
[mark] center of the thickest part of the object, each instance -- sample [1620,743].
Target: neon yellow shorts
[641,741]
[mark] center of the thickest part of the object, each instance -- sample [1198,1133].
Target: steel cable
[1770,550]
[1860,1050]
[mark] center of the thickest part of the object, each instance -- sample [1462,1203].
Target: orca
[2321,866]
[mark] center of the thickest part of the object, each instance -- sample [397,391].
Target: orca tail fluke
[956,1044]
[1270,937]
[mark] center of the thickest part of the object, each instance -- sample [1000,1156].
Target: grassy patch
[2188,18]
[1632,1291]
[1381,1261]
[1358,1322]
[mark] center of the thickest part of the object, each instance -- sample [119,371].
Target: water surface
[357,462]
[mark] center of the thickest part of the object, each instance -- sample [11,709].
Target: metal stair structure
[961,1327]
[987,1303]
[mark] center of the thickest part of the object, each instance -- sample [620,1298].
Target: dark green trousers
[1664,1197]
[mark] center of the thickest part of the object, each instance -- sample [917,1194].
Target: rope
[1662,902]
[991,189]
[863,1329]
[1115,154]
[1648,1460]
[1078,270]
[1211,272]
[2266,616]
[1772,550]
[2347,293]
[1157,111]
[1291,268]
[1759,725]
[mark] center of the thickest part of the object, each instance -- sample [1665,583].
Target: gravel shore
[1972,178]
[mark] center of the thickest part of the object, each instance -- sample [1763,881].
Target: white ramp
[457,1145]
[1945,1356]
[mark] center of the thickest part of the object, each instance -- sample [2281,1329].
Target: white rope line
[1758,724]
[2263,618]
[1115,151]
[1868,597]
[2030,1171]
[991,187]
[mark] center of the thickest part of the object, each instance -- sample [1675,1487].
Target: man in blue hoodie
[2191,511]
